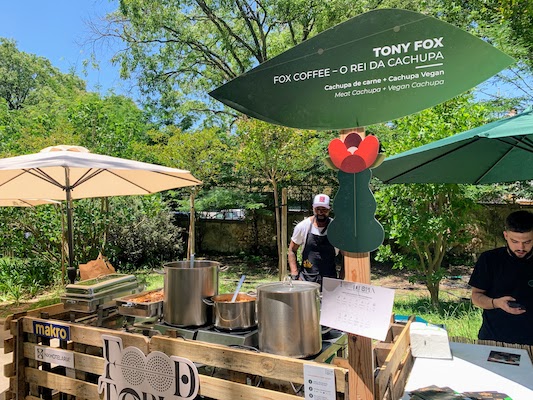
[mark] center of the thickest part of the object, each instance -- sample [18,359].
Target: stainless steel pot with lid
[187,284]
[289,318]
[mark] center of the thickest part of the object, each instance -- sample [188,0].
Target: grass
[47,298]
[459,317]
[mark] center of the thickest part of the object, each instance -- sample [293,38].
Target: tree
[272,153]
[112,125]
[424,221]
[180,50]
[18,74]
[23,75]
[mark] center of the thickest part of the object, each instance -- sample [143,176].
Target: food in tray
[148,297]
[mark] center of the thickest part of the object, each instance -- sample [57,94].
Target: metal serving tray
[91,305]
[134,306]
[109,291]
[83,302]
[94,286]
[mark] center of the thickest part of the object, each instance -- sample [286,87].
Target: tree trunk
[434,293]
[278,224]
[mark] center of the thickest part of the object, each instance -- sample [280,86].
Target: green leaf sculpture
[354,228]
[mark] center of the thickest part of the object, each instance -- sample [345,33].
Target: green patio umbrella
[501,151]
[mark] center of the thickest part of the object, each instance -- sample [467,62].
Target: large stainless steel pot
[187,284]
[232,316]
[289,318]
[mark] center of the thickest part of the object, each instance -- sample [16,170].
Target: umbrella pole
[71,270]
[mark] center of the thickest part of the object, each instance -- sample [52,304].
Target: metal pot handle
[209,301]
[159,271]
[325,329]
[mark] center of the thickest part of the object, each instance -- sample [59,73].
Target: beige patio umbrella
[26,202]
[73,172]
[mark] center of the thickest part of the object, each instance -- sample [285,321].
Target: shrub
[142,235]
[25,277]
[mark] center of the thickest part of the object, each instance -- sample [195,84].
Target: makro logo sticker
[52,331]
[130,375]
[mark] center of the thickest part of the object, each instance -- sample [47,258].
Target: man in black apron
[318,254]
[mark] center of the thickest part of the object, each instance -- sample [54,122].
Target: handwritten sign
[357,308]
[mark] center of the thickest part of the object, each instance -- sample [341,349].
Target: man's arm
[480,299]
[293,265]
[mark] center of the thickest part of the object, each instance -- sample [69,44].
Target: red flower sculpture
[353,154]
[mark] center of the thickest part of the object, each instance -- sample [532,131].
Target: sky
[56,30]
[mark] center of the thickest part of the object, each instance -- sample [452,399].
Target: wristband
[294,277]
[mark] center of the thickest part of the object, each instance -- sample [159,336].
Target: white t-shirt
[302,229]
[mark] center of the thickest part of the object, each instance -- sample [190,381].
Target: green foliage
[224,199]
[32,232]
[272,152]
[26,78]
[206,152]
[108,126]
[56,110]
[425,221]
[180,50]
[25,277]
[132,231]
[142,234]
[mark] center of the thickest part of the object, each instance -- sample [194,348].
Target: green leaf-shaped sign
[354,228]
[375,67]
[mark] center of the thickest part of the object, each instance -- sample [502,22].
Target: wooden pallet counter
[225,373]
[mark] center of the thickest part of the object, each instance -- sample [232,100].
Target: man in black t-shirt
[502,284]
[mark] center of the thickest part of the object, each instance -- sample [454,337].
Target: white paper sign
[54,356]
[357,308]
[319,383]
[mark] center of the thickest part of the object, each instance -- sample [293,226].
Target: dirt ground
[454,284]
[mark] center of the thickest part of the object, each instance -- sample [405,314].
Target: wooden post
[360,358]
[283,270]
[19,360]
[190,248]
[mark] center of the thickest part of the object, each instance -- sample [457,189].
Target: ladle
[238,288]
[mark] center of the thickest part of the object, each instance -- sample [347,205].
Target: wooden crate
[394,362]
[226,373]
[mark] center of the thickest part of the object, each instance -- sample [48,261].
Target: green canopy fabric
[501,151]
